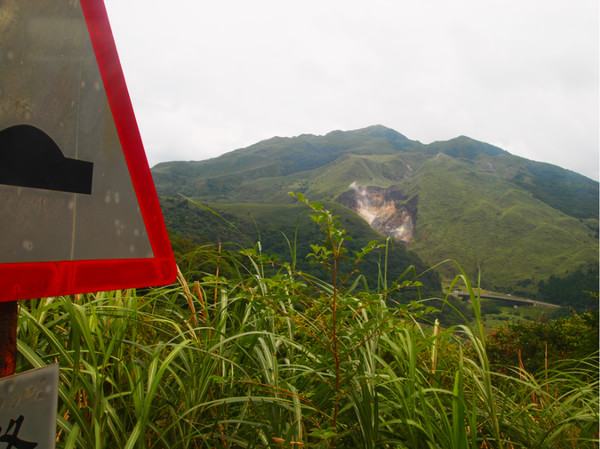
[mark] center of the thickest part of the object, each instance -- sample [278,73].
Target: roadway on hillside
[514,299]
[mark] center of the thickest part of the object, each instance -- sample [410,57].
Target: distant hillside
[286,231]
[518,221]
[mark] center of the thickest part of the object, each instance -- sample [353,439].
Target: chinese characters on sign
[12,440]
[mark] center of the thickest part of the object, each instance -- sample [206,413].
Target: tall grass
[287,360]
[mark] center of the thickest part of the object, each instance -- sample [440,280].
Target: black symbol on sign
[11,440]
[30,158]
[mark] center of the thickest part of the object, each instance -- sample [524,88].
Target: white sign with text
[28,403]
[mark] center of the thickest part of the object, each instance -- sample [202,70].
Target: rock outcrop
[387,210]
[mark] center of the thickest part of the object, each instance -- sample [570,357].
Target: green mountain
[517,221]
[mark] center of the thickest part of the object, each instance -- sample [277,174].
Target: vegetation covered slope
[284,230]
[516,220]
[515,239]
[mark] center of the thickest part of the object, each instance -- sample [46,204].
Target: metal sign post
[8,338]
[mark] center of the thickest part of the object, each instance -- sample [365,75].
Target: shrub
[544,344]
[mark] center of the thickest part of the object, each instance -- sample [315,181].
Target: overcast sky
[208,77]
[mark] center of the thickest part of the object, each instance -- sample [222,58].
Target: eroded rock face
[382,209]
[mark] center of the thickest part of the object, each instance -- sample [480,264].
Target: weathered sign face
[51,83]
[74,181]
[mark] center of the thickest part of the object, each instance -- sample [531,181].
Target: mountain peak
[381,131]
[465,147]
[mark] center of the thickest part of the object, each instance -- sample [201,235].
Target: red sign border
[43,279]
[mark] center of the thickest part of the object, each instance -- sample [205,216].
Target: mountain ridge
[460,198]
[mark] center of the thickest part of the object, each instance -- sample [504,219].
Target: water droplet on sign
[119,227]
[15,401]
[30,392]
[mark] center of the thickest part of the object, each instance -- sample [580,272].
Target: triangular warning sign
[78,207]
